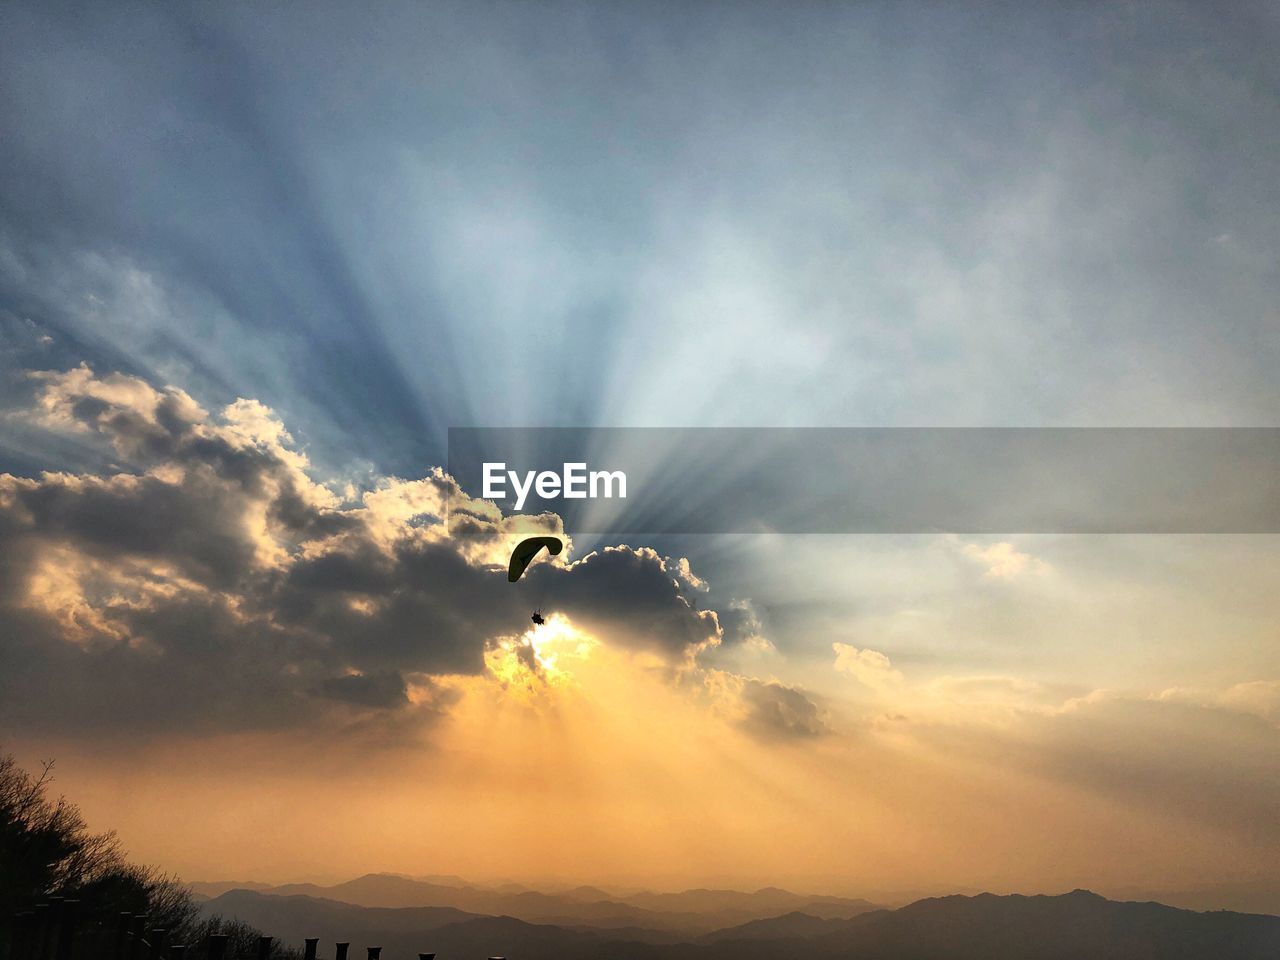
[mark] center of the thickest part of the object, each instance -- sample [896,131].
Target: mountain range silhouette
[570,925]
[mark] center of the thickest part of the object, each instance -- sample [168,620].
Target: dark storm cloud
[385,689]
[221,588]
[193,524]
[739,622]
[190,664]
[630,592]
[422,607]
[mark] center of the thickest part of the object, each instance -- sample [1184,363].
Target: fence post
[426,956]
[67,911]
[217,946]
[31,937]
[177,951]
[310,952]
[23,933]
[158,935]
[54,928]
[139,928]
[22,923]
[122,933]
[42,931]
[340,950]
[264,948]
[375,953]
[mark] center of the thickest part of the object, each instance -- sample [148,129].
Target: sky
[256,260]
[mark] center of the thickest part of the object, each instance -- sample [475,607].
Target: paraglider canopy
[526,550]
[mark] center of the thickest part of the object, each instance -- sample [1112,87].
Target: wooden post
[375,953]
[340,950]
[264,948]
[177,951]
[217,946]
[54,923]
[156,939]
[23,923]
[310,952]
[40,935]
[67,919]
[426,956]
[122,934]
[27,932]
[135,941]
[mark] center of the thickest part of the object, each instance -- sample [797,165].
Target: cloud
[1258,697]
[630,593]
[971,690]
[223,587]
[1261,697]
[868,667]
[775,711]
[386,689]
[741,624]
[681,570]
[1003,561]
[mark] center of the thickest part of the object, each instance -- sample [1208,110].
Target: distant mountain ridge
[215,888]
[1079,924]
[1074,926]
[1257,895]
[794,924]
[694,911]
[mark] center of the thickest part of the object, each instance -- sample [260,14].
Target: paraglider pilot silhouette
[523,555]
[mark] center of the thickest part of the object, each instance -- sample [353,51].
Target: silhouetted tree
[47,849]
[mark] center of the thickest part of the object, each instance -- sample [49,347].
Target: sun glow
[540,656]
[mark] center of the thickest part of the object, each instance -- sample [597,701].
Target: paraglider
[526,550]
[523,555]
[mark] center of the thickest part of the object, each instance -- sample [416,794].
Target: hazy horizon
[887,897]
